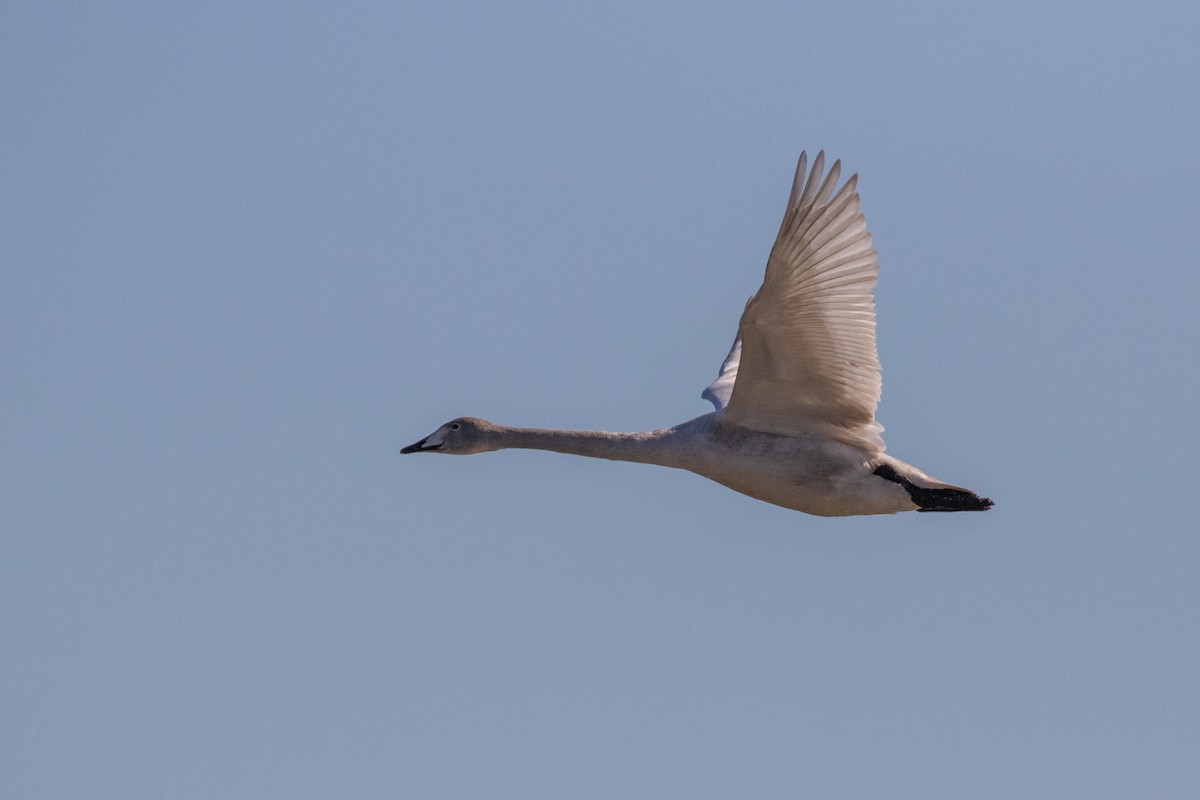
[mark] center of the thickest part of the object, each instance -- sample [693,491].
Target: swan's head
[459,436]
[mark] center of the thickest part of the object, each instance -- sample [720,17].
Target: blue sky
[251,250]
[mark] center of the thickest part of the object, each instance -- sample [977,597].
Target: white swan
[795,399]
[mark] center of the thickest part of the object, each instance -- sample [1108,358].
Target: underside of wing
[720,390]
[807,363]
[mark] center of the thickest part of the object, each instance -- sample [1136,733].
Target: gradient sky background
[250,250]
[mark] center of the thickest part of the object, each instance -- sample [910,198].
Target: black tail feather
[940,499]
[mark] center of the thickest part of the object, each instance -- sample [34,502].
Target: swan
[794,420]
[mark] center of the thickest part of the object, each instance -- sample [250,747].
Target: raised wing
[806,364]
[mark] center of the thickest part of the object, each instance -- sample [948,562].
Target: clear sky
[248,250]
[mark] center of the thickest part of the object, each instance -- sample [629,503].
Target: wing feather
[804,362]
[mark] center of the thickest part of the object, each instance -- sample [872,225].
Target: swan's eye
[454,426]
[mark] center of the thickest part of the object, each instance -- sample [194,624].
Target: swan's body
[795,399]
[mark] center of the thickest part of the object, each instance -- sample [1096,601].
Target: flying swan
[795,400]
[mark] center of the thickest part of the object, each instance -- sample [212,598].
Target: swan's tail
[935,496]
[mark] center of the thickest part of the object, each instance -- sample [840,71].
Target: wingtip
[818,166]
[798,179]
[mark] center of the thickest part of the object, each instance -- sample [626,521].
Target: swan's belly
[825,498]
[820,477]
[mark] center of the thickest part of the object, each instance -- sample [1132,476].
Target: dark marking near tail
[935,499]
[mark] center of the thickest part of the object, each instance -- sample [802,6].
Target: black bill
[419,447]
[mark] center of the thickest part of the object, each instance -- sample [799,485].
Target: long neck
[652,447]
